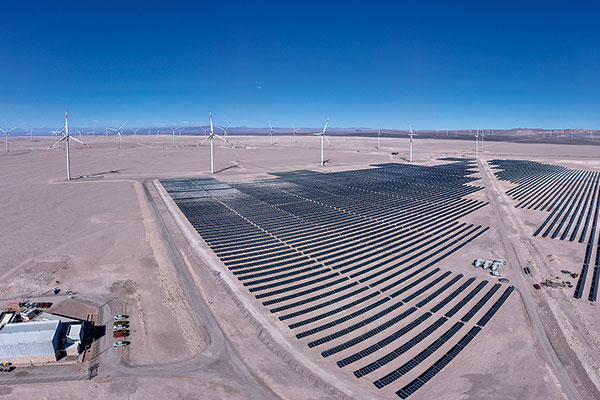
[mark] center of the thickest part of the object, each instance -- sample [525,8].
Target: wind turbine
[271,130]
[322,134]
[180,130]
[211,137]
[173,132]
[205,129]
[6,134]
[30,134]
[294,133]
[134,131]
[476,146]
[379,139]
[66,138]
[224,130]
[106,131]
[118,130]
[410,135]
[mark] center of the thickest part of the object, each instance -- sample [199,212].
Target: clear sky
[441,65]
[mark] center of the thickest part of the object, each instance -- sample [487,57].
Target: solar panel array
[349,261]
[573,199]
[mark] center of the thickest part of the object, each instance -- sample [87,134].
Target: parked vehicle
[120,327]
[503,280]
[119,334]
[121,343]
[5,367]
[496,273]
[121,316]
[537,286]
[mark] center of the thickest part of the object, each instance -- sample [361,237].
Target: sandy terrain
[110,238]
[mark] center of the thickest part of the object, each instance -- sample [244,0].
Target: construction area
[368,277]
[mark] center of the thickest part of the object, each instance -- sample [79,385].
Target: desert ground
[112,236]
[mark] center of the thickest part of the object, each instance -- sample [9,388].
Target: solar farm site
[277,277]
[351,262]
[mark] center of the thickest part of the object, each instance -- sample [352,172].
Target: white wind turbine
[379,139]
[66,138]
[30,134]
[6,134]
[180,130]
[224,130]
[118,130]
[294,132]
[410,136]
[271,130]
[323,136]
[134,131]
[211,137]
[476,146]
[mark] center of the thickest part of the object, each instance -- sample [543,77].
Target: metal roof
[24,339]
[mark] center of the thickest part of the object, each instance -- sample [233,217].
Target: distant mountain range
[521,134]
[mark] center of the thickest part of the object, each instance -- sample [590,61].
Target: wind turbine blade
[77,140]
[10,130]
[270,127]
[113,129]
[57,142]
[221,137]
[410,128]
[122,125]
[326,123]
[327,141]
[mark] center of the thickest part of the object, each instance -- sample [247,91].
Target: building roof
[24,339]
[75,332]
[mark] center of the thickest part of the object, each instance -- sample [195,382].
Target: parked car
[120,327]
[496,273]
[118,334]
[121,343]
[537,286]
[504,280]
[121,316]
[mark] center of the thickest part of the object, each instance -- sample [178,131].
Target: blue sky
[439,64]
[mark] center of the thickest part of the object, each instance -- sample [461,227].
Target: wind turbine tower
[294,132]
[271,130]
[66,138]
[476,145]
[211,137]
[410,137]
[6,134]
[323,137]
[118,130]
